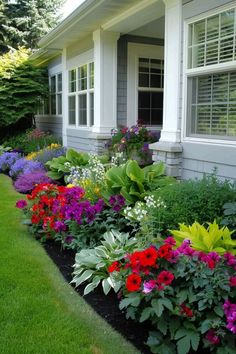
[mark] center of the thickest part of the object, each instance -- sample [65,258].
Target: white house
[170,63]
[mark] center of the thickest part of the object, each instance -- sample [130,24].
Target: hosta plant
[210,239]
[133,182]
[93,265]
[187,295]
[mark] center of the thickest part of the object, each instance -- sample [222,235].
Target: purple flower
[231,325]
[69,239]
[148,286]
[8,159]
[24,166]
[230,259]
[59,226]
[117,202]
[26,182]
[21,204]
[170,241]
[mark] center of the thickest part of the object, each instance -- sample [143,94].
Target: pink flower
[232,281]
[170,241]
[212,337]
[148,286]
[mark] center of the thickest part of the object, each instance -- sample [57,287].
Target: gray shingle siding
[50,123]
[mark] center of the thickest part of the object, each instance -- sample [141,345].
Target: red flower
[232,281]
[165,252]
[211,264]
[185,310]
[115,266]
[133,282]
[165,277]
[148,257]
[35,219]
[135,259]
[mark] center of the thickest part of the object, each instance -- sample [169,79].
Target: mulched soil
[107,306]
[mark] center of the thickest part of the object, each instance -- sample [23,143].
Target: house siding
[50,123]
[86,141]
[199,157]
[122,64]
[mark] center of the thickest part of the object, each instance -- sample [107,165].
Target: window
[81,95]
[150,91]
[55,89]
[211,79]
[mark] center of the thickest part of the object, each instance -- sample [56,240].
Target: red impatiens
[165,277]
[115,266]
[133,282]
[148,257]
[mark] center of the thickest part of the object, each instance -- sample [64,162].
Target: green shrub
[194,200]
[230,217]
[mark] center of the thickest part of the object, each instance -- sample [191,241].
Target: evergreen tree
[26,21]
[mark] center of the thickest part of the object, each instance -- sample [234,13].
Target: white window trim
[136,51]
[56,93]
[74,63]
[201,71]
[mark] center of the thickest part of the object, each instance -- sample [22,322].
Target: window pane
[211,41]
[91,108]
[91,75]
[59,103]
[227,23]
[59,82]
[156,66]
[143,65]
[213,28]
[82,76]
[53,104]
[82,109]
[213,103]
[155,81]
[72,80]
[143,80]
[71,108]
[150,108]
[53,84]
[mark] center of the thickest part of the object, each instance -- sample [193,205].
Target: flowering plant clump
[24,166]
[8,159]
[90,177]
[63,213]
[188,295]
[26,182]
[133,140]
[47,154]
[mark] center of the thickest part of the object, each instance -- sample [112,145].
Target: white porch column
[169,149]
[64,98]
[105,80]
[172,59]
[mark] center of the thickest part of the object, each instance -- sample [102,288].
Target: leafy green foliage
[21,86]
[91,264]
[133,182]
[210,239]
[26,21]
[59,166]
[194,200]
[230,216]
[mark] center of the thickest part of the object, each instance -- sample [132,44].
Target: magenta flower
[170,241]
[148,286]
[232,281]
[212,337]
[21,204]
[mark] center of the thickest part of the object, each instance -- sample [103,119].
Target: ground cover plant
[35,300]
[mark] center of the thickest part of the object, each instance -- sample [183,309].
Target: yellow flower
[70,185]
[96,190]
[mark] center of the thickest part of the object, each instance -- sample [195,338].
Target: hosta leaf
[85,276]
[106,286]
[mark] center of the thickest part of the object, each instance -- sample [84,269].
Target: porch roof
[120,16]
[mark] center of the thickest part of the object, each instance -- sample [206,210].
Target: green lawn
[39,312]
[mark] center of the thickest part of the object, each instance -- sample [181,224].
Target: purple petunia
[21,204]
[117,202]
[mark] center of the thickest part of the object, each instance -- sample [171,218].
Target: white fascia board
[143,12]
[83,10]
